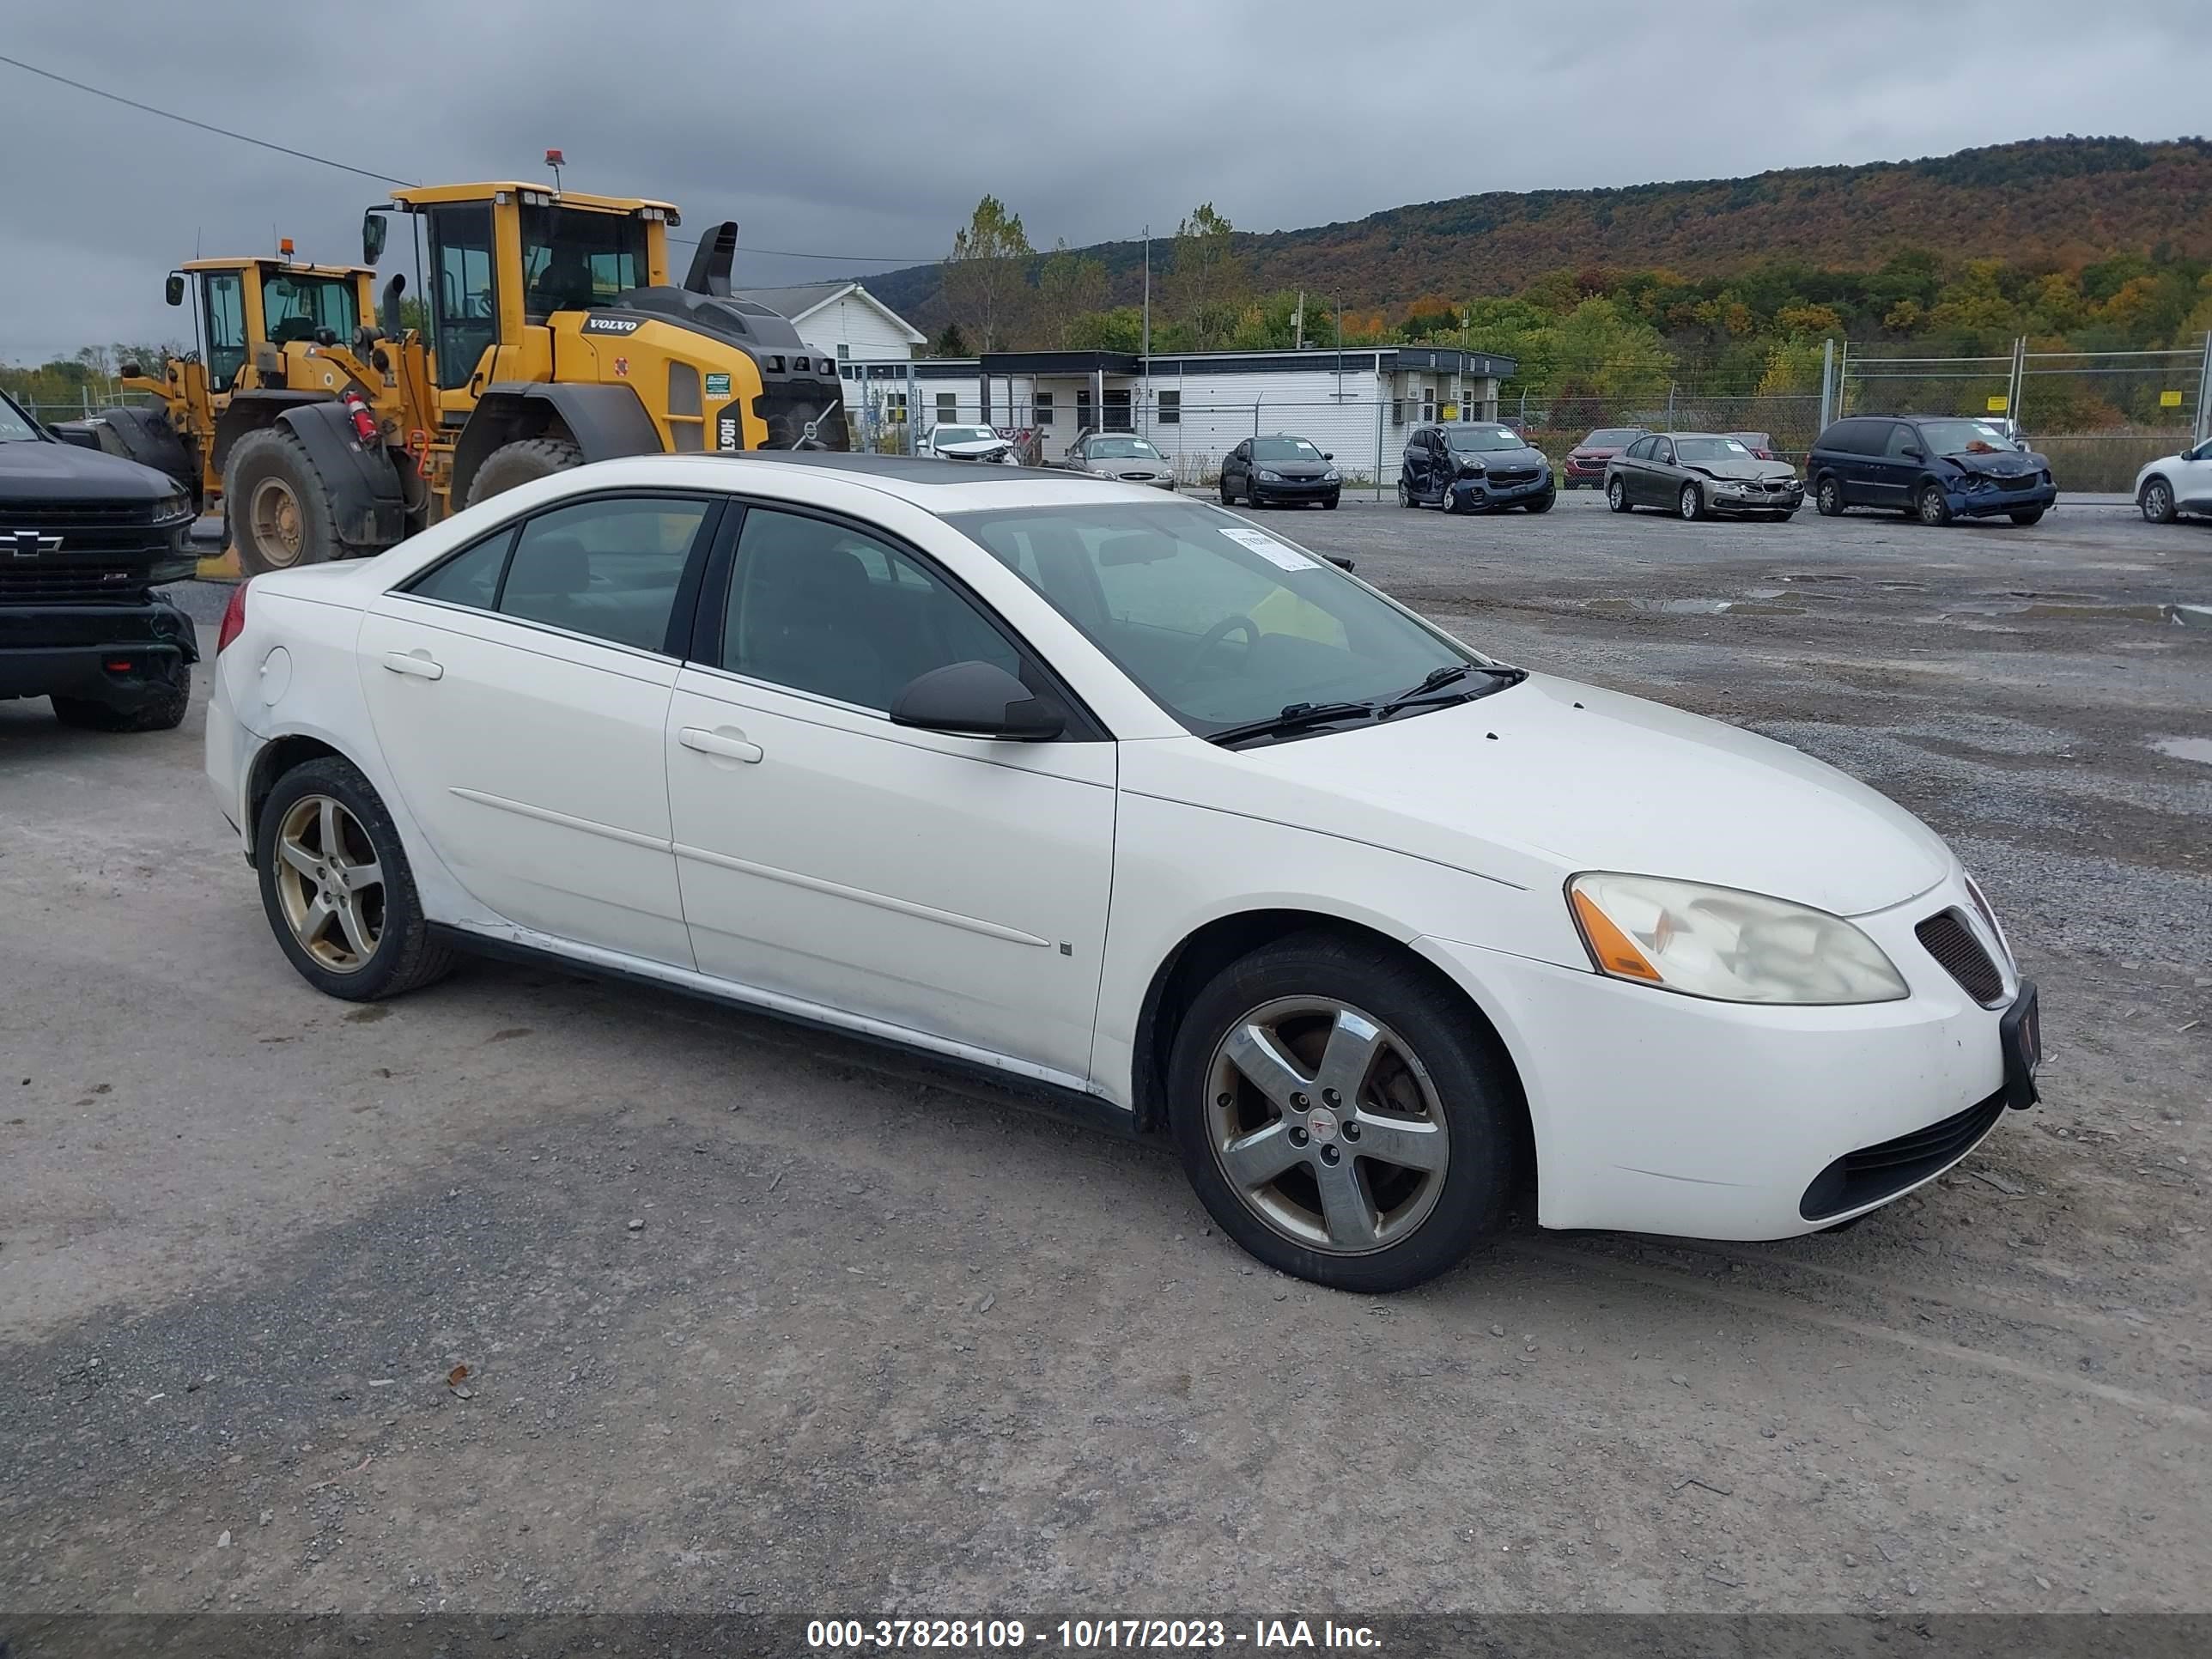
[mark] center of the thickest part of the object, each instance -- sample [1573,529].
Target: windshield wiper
[1295,717]
[1438,679]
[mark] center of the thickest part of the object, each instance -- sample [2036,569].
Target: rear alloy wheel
[2156,501]
[1405,496]
[1616,495]
[1828,498]
[278,506]
[1691,503]
[1929,507]
[1335,1118]
[337,888]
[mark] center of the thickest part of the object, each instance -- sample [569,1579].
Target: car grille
[1873,1173]
[1136,477]
[1961,954]
[1511,476]
[72,584]
[59,515]
[2019,481]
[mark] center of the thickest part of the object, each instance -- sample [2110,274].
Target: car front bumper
[1995,503]
[1479,495]
[1781,501]
[112,654]
[1296,490]
[1667,1114]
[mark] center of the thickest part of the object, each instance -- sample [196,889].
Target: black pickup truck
[85,537]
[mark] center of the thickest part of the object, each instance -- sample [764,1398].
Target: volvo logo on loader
[612,324]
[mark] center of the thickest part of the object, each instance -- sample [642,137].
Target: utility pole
[1338,301]
[1298,318]
[1148,336]
[2202,429]
[1827,382]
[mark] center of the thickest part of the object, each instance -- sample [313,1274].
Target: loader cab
[500,259]
[243,306]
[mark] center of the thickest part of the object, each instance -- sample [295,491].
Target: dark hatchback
[1932,469]
[1282,469]
[1473,466]
[85,538]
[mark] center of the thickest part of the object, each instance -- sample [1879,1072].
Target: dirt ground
[760,1320]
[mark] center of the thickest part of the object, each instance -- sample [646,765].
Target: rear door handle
[401,662]
[716,743]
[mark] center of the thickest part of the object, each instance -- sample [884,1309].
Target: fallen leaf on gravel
[456,1376]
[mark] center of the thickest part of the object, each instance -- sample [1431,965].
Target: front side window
[1662,451]
[817,606]
[294,308]
[608,568]
[1638,450]
[222,295]
[467,320]
[1219,623]
[573,260]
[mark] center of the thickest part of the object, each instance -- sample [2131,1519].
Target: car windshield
[1122,449]
[16,426]
[1965,438]
[1480,438]
[1704,451]
[1612,437]
[965,434]
[1219,623]
[1284,449]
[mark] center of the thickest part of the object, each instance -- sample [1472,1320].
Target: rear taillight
[234,620]
[364,422]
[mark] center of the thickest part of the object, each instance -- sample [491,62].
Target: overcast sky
[867,127]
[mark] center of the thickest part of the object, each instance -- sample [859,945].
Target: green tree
[1069,285]
[983,278]
[951,342]
[1208,278]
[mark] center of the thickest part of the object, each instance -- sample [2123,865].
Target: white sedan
[1127,799]
[2174,484]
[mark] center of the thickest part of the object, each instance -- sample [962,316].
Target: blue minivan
[1933,468]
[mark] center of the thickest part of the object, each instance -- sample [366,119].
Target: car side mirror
[1328,454]
[1915,454]
[174,290]
[977,700]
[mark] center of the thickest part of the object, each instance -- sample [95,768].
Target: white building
[1357,404]
[841,319]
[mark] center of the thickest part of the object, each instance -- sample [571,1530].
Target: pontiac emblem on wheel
[1321,1126]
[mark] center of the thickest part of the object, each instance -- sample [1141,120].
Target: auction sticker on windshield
[1275,552]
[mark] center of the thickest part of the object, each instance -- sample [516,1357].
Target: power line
[386,177]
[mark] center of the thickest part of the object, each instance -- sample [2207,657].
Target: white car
[970,443]
[1118,796]
[2175,485]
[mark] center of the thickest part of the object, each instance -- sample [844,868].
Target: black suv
[1471,466]
[1932,468]
[84,539]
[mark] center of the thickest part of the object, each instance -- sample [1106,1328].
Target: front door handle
[422,667]
[717,743]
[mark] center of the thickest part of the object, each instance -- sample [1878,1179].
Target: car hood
[1749,467]
[34,470]
[1575,778]
[1597,452]
[1109,466]
[1294,469]
[1527,455]
[1999,464]
[973,449]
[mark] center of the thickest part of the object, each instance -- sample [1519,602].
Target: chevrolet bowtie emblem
[28,544]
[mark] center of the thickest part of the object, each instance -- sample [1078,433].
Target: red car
[1586,461]
[1760,444]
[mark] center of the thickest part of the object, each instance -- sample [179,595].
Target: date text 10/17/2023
[1083,1635]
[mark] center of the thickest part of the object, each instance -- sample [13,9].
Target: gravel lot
[886,1341]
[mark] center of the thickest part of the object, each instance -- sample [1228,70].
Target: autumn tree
[984,276]
[1208,278]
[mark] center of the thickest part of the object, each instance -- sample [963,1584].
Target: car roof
[935,486]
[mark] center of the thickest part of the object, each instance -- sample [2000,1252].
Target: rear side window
[608,568]
[1854,437]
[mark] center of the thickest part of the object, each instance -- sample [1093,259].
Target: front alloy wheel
[1932,509]
[2157,502]
[1691,503]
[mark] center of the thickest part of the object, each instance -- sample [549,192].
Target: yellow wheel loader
[554,338]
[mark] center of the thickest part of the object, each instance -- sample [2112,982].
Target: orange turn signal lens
[1609,947]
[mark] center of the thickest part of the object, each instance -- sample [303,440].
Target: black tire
[2155,499]
[162,711]
[1928,506]
[277,504]
[523,461]
[1828,497]
[1690,503]
[1328,503]
[1784,517]
[1543,502]
[1616,495]
[406,954]
[1473,1088]
[1227,499]
[2029,515]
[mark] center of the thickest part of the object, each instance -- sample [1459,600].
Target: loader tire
[278,506]
[523,461]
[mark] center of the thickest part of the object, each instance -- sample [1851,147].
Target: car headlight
[1332,477]
[174,505]
[1724,944]
[1271,477]
[1472,469]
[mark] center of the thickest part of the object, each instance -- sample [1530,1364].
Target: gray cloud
[871,128]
